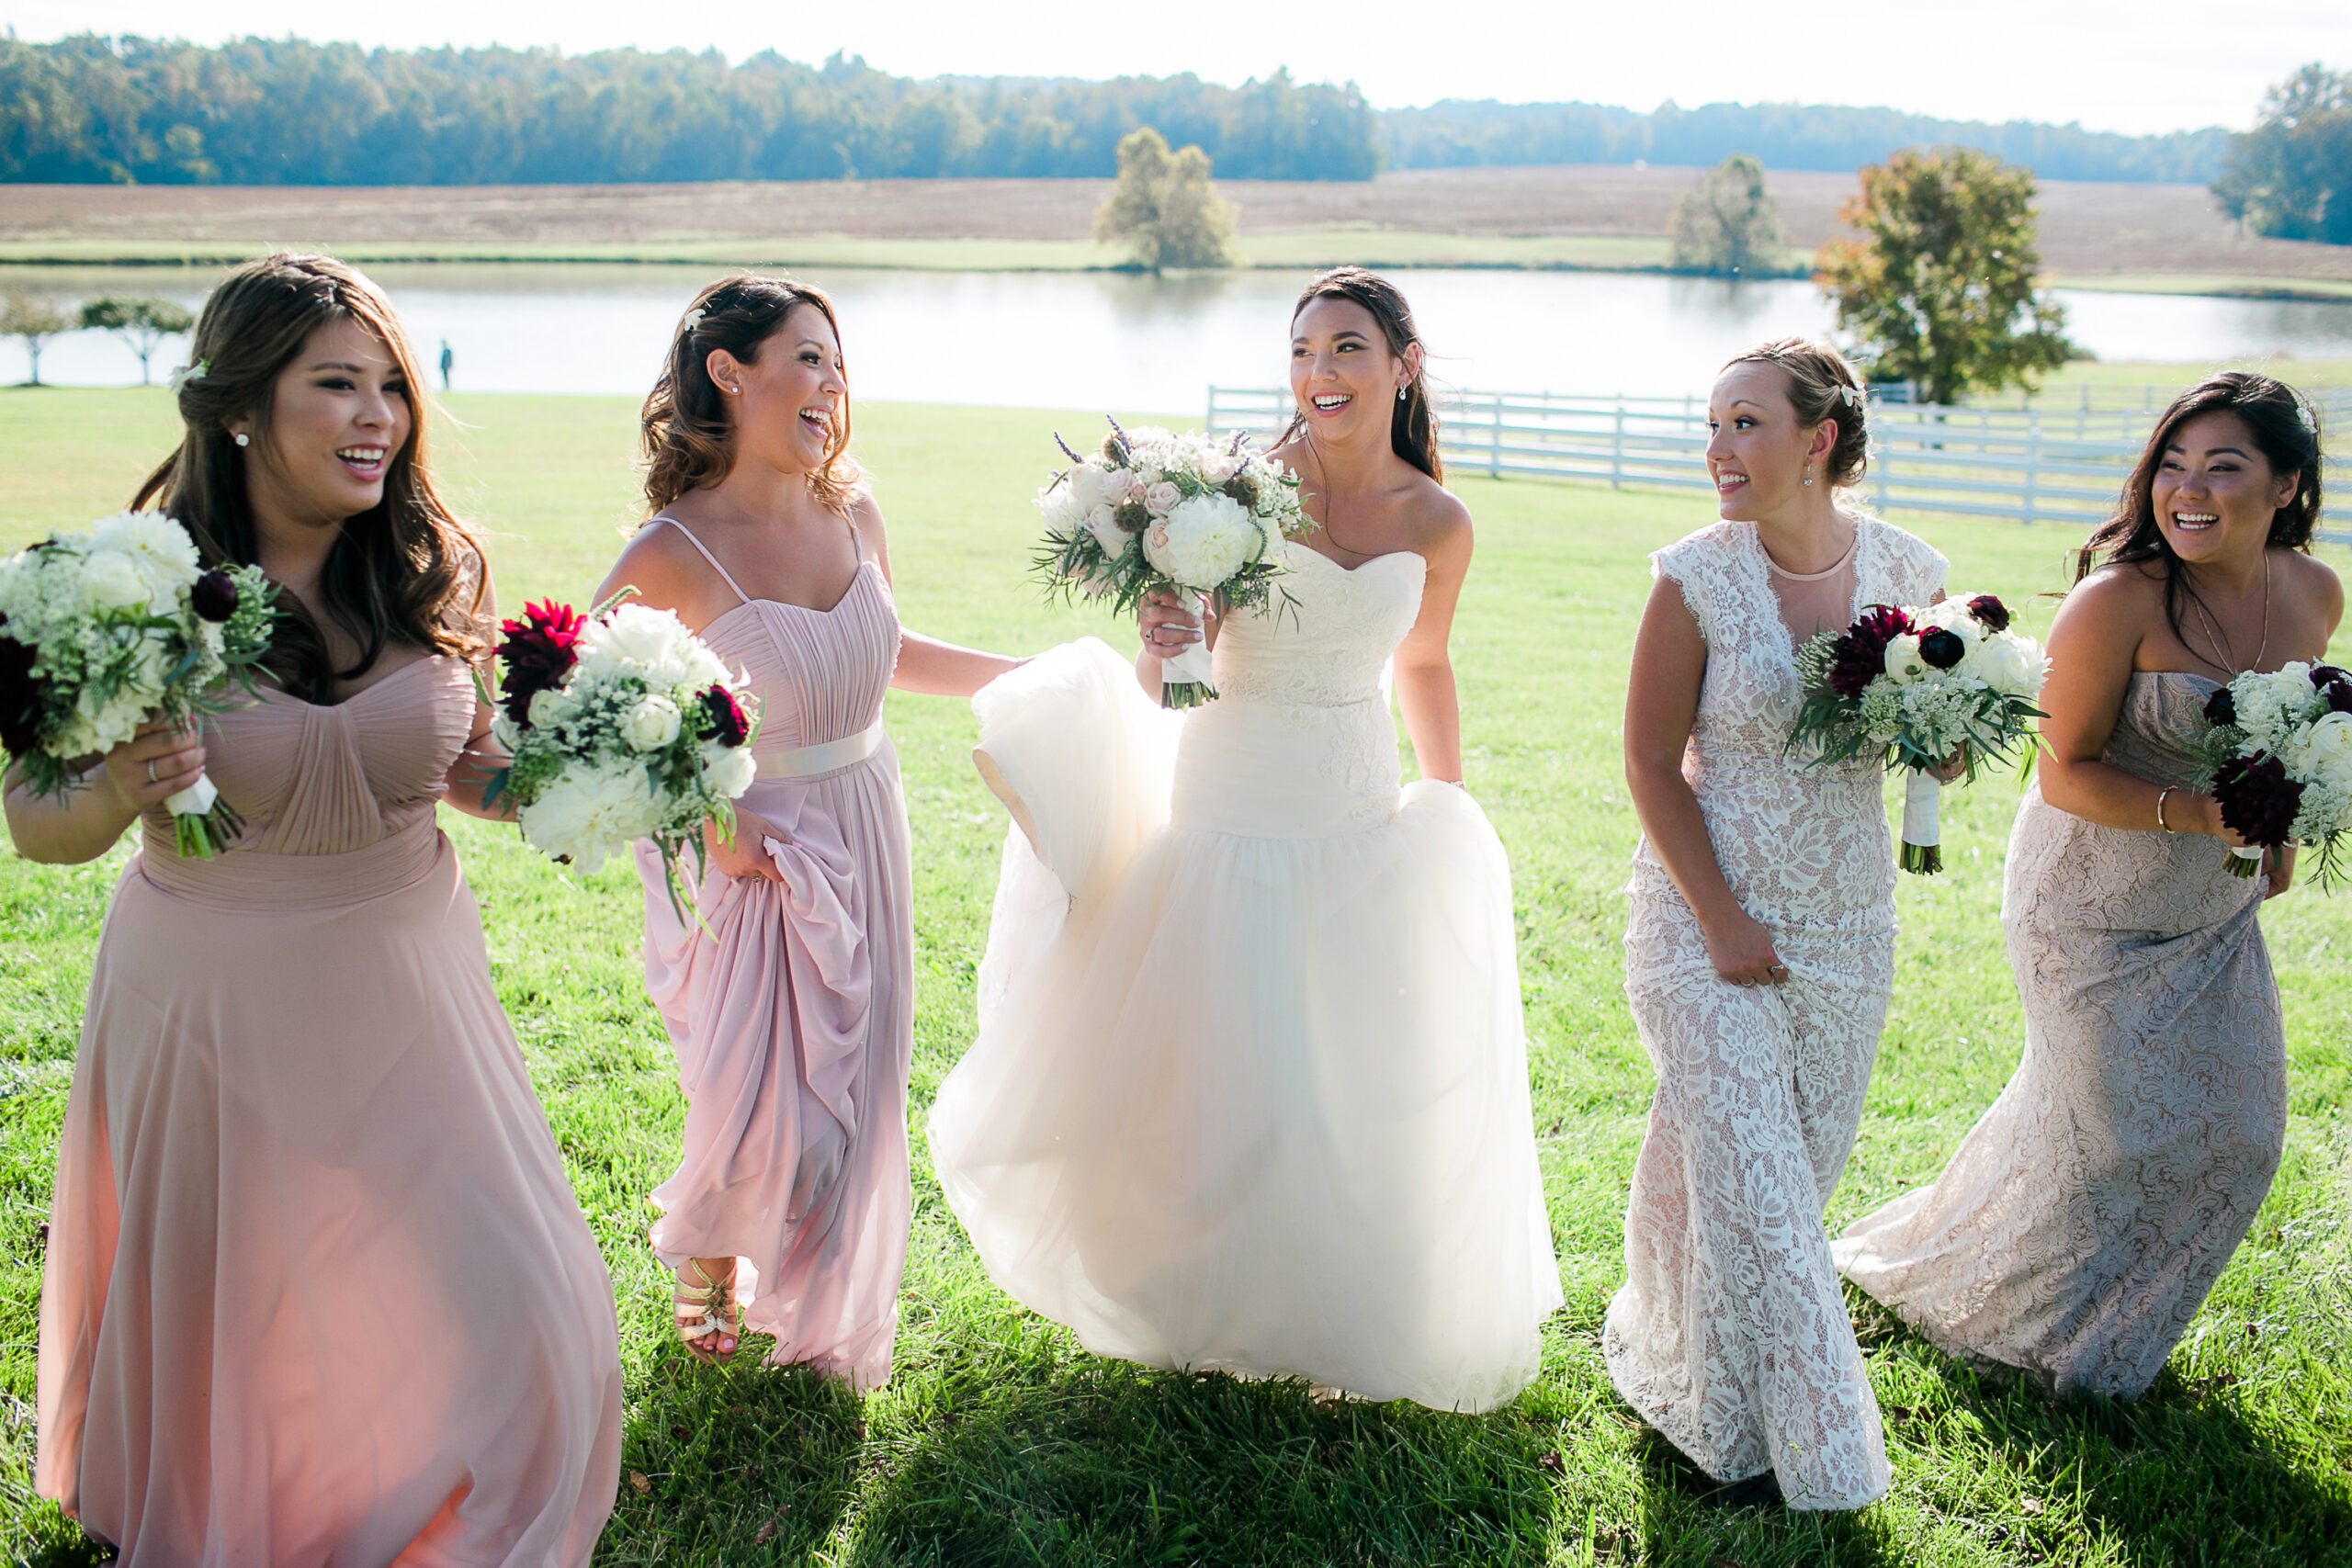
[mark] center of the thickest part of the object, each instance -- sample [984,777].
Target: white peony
[112,581]
[1952,616]
[1904,664]
[592,812]
[1065,515]
[1203,541]
[634,634]
[548,705]
[729,770]
[2326,750]
[651,724]
[1094,486]
[1159,500]
[2010,664]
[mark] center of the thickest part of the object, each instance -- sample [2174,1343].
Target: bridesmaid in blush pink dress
[317,1290]
[790,1002]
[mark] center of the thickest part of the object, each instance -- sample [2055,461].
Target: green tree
[144,324]
[33,319]
[1727,224]
[2291,178]
[1940,282]
[1164,207]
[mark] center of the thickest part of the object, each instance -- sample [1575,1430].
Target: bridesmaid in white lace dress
[2081,1221]
[1760,949]
[1250,1087]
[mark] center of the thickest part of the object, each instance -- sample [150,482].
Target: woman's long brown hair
[405,571]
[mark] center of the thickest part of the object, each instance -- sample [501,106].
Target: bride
[1249,1092]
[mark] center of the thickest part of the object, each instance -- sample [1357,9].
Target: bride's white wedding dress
[1249,1092]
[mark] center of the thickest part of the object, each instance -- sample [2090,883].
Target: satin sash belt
[825,757]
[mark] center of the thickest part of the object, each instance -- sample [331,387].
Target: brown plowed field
[2085,228]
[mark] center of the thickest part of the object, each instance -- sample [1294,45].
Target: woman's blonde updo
[688,430]
[1822,386]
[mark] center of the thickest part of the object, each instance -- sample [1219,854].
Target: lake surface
[1111,341]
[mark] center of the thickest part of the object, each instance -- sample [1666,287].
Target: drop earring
[1400,393]
[1808,476]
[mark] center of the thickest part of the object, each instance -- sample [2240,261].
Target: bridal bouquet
[1153,509]
[1912,686]
[2279,761]
[103,626]
[622,724]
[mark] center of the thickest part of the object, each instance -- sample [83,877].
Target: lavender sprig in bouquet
[105,626]
[1913,685]
[1154,509]
[2278,762]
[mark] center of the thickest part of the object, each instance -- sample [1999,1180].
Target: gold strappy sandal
[715,1310]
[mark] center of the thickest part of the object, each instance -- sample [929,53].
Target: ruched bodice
[1300,742]
[2156,733]
[819,674]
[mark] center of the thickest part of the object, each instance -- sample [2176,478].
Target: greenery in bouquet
[105,627]
[1152,510]
[2278,755]
[622,724]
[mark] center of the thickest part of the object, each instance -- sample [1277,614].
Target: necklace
[2222,644]
[1832,569]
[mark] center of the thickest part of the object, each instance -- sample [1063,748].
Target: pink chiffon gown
[317,1290]
[792,1014]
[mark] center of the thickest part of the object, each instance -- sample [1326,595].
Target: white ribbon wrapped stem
[1192,664]
[1922,835]
[194,801]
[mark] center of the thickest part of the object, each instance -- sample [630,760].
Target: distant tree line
[281,111]
[264,111]
[2291,176]
[1456,134]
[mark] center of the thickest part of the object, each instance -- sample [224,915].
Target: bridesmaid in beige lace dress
[317,1290]
[2081,1221]
[790,1002]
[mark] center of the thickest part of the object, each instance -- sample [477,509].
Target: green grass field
[999,1442]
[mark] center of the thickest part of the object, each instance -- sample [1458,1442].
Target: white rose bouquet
[623,726]
[102,627]
[2278,762]
[1914,685]
[1154,509]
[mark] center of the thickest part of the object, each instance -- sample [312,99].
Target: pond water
[1112,340]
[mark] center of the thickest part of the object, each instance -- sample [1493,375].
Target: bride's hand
[1168,625]
[1742,953]
[748,856]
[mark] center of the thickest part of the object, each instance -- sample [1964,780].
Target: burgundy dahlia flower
[213,596]
[2221,707]
[540,651]
[19,696]
[1990,613]
[729,725]
[2258,801]
[1940,649]
[2334,684]
[1859,657]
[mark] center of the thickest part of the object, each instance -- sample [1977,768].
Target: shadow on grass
[1090,1461]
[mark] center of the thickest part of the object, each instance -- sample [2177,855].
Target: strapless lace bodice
[1300,743]
[1326,635]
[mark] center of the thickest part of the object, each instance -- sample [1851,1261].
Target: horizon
[2164,57]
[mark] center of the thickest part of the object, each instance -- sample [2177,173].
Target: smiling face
[1342,376]
[339,414]
[789,401]
[2214,492]
[1759,449]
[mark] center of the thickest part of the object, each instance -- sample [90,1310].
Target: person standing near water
[788,993]
[448,359]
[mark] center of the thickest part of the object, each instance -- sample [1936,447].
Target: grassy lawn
[1000,1440]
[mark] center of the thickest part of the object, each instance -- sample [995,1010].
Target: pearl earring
[241,439]
[1400,392]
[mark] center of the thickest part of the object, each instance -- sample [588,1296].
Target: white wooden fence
[2061,462]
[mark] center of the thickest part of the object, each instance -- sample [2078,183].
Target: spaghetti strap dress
[789,1002]
[317,1288]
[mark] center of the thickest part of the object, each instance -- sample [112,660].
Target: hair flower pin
[1853,396]
[694,317]
[179,378]
[2304,416]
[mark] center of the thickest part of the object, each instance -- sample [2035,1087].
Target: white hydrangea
[592,812]
[1203,541]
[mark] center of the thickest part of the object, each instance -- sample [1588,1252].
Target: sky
[2151,66]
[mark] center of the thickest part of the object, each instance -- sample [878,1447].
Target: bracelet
[2160,808]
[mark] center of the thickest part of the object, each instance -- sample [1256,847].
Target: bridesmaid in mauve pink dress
[317,1290]
[790,1002]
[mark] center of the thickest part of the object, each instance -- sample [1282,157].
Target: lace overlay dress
[2080,1223]
[1250,1091]
[1730,1334]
